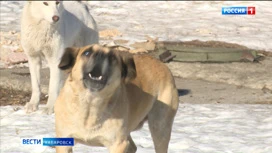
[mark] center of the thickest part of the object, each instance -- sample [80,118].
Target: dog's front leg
[64,149]
[119,147]
[132,147]
[55,84]
[34,68]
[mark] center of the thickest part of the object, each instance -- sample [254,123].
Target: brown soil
[190,91]
[15,97]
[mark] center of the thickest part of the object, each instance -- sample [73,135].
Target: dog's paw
[31,107]
[48,110]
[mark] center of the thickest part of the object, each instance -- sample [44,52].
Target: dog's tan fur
[106,117]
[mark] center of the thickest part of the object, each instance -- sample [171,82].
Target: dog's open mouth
[95,80]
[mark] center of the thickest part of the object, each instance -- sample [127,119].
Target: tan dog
[110,93]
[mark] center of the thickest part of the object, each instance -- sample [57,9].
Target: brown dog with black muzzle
[110,93]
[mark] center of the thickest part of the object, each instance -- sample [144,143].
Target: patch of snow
[198,128]
[172,20]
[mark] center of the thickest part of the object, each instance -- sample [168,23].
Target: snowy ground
[171,20]
[198,128]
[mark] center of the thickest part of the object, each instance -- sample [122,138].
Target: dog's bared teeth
[95,78]
[90,75]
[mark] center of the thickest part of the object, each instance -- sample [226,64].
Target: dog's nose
[55,18]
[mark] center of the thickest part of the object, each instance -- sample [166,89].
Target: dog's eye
[45,3]
[87,53]
[57,3]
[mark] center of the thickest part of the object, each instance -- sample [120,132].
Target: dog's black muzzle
[95,78]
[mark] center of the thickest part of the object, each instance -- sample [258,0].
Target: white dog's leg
[34,67]
[55,84]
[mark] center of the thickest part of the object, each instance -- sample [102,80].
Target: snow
[198,128]
[172,20]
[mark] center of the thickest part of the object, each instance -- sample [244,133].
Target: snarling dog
[110,93]
[47,28]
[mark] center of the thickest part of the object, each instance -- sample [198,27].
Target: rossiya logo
[239,10]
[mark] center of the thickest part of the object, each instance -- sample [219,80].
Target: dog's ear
[68,59]
[128,66]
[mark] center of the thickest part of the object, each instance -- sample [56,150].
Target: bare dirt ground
[16,97]
[16,90]
[228,83]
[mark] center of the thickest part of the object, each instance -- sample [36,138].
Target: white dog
[47,28]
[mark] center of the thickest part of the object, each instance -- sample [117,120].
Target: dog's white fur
[41,38]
